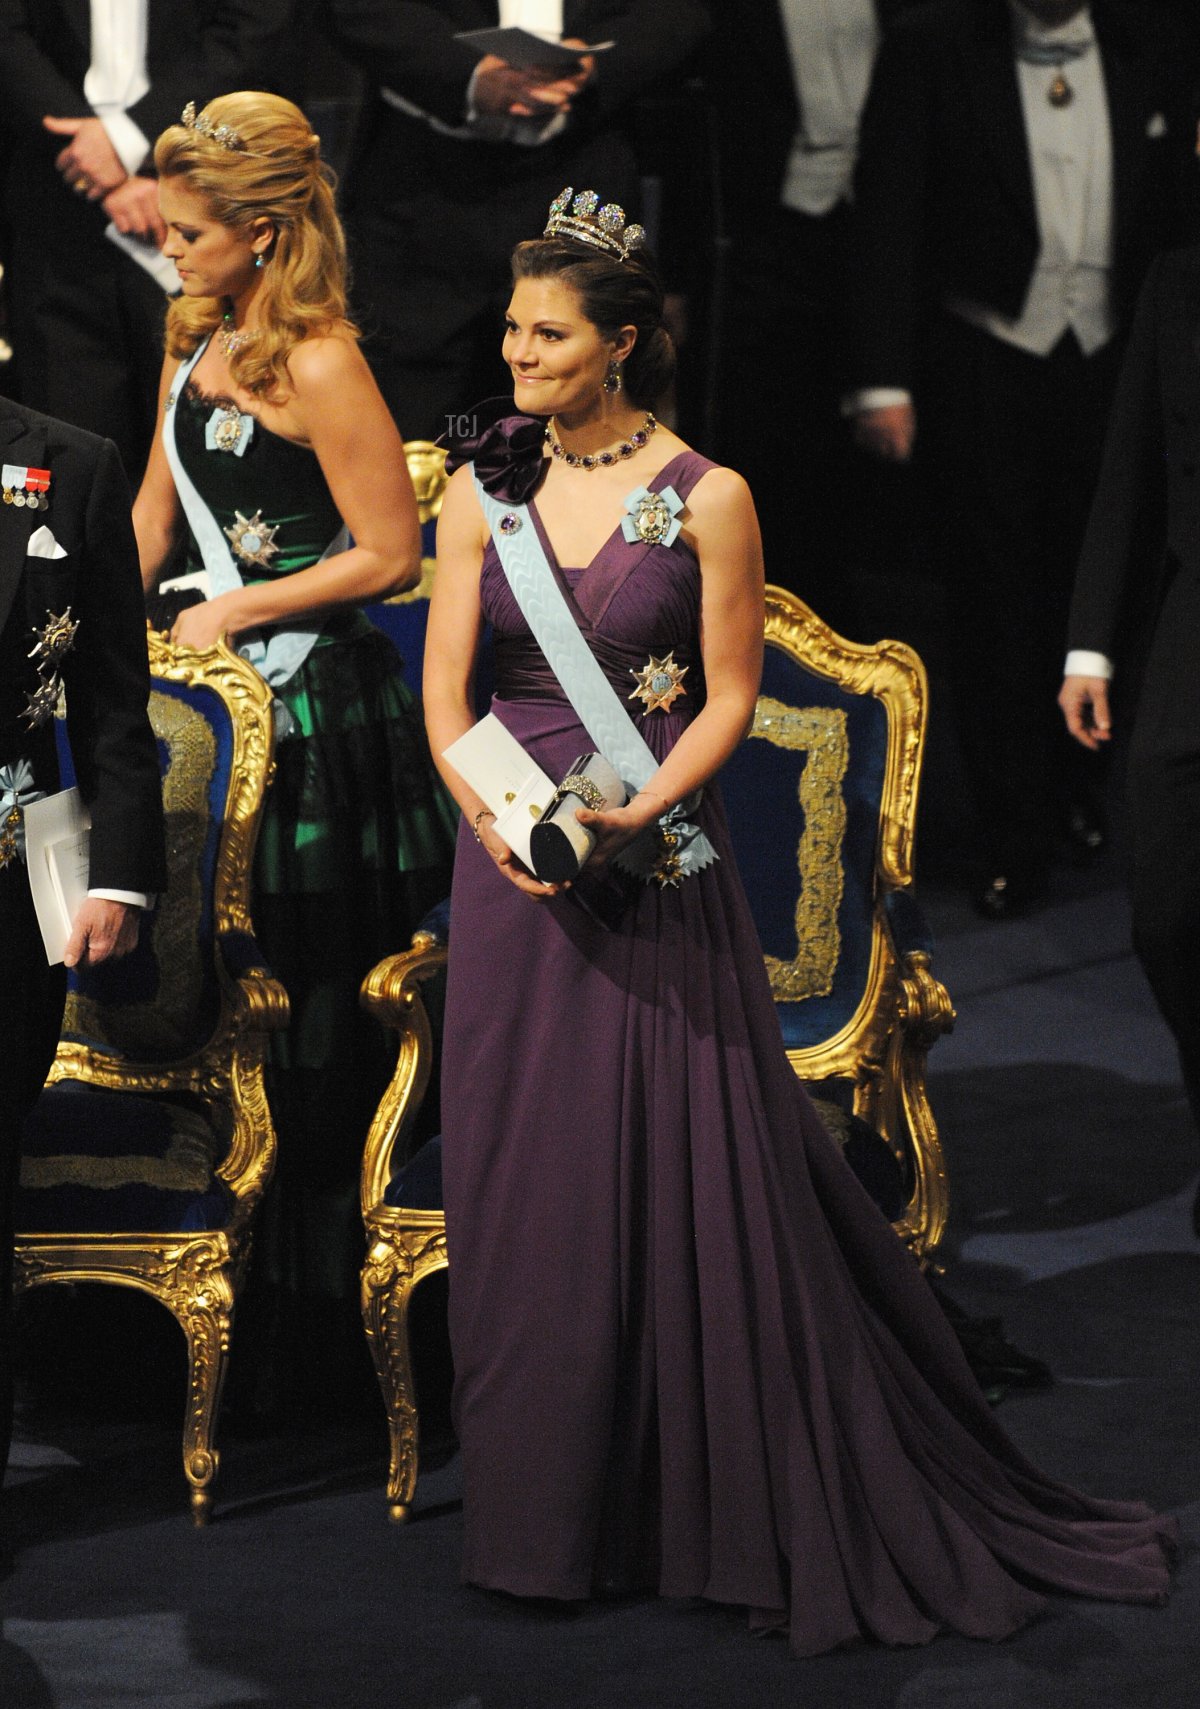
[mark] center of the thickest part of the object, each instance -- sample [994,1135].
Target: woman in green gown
[283,474]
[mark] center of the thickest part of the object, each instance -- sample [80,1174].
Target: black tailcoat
[106,678]
[944,189]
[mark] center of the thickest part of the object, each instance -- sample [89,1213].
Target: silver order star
[253,540]
[55,638]
[39,706]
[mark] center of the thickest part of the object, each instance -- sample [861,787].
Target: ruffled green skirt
[356,846]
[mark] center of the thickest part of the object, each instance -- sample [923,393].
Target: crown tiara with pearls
[599,227]
[223,135]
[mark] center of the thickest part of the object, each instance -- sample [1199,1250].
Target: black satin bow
[505,447]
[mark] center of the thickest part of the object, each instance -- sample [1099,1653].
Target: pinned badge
[653,517]
[253,540]
[54,640]
[659,683]
[228,429]
[40,706]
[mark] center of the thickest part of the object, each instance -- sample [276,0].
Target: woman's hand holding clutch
[512,868]
[617,827]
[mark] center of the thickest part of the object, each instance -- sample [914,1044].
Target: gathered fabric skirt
[355,848]
[691,1356]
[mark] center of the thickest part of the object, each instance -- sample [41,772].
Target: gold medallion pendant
[252,539]
[1060,92]
[659,683]
[10,847]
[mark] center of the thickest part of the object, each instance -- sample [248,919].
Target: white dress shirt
[832,45]
[116,78]
[1070,152]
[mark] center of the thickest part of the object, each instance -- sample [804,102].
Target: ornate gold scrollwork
[194,1275]
[903,1009]
[819,732]
[404,1247]
[427,470]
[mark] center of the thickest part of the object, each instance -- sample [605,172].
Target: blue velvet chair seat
[145,1163]
[418,1185]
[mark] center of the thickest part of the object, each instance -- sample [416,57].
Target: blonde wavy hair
[277,174]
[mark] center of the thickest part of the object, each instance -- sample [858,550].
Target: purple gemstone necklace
[601,459]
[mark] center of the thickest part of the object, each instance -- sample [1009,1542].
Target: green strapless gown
[356,846]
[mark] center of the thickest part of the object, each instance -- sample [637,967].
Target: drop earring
[258,261]
[612,379]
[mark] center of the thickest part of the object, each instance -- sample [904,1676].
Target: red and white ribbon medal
[24,486]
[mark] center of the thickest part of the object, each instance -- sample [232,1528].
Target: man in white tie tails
[71,622]
[1021,161]
[459,156]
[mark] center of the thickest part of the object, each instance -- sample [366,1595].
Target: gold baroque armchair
[151,1145]
[830,772]
[836,749]
[403,617]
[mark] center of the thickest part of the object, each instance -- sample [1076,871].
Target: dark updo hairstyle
[612,293]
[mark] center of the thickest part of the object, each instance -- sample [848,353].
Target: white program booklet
[57,835]
[199,579]
[490,758]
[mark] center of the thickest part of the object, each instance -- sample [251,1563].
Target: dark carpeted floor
[1072,1168]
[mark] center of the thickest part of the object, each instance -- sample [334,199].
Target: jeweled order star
[660,683]
[55,638]
[253,539]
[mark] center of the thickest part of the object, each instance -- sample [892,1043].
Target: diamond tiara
[223,135]
[599,227]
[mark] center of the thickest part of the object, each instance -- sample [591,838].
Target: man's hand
[89,163]
[103,931]
[505,91]
[888,433]
[1084,702]
[133,208]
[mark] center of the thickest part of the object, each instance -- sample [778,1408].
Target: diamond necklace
[230,337]
[601,459]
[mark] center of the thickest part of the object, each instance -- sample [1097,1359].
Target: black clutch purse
[559,846]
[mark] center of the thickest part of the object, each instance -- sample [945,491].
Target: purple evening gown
[691,1356]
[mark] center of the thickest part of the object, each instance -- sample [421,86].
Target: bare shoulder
[719,497]
[325,360]
[461,513]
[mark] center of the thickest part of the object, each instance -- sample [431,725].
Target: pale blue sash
[279,658]
[585,685]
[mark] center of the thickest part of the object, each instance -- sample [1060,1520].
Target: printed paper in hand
[57,834]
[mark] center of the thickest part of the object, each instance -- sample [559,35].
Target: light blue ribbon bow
[17,789]
[653,517]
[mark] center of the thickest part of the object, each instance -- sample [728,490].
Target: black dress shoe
[1085,833]
[1006,895]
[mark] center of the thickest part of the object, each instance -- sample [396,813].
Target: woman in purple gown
[690,1355]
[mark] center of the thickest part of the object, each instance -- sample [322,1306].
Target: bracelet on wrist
[483,813]
[655,796]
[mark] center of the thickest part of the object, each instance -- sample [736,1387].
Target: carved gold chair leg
[397,1259]
[206,1317]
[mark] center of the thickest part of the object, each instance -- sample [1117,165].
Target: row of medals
[35,501]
